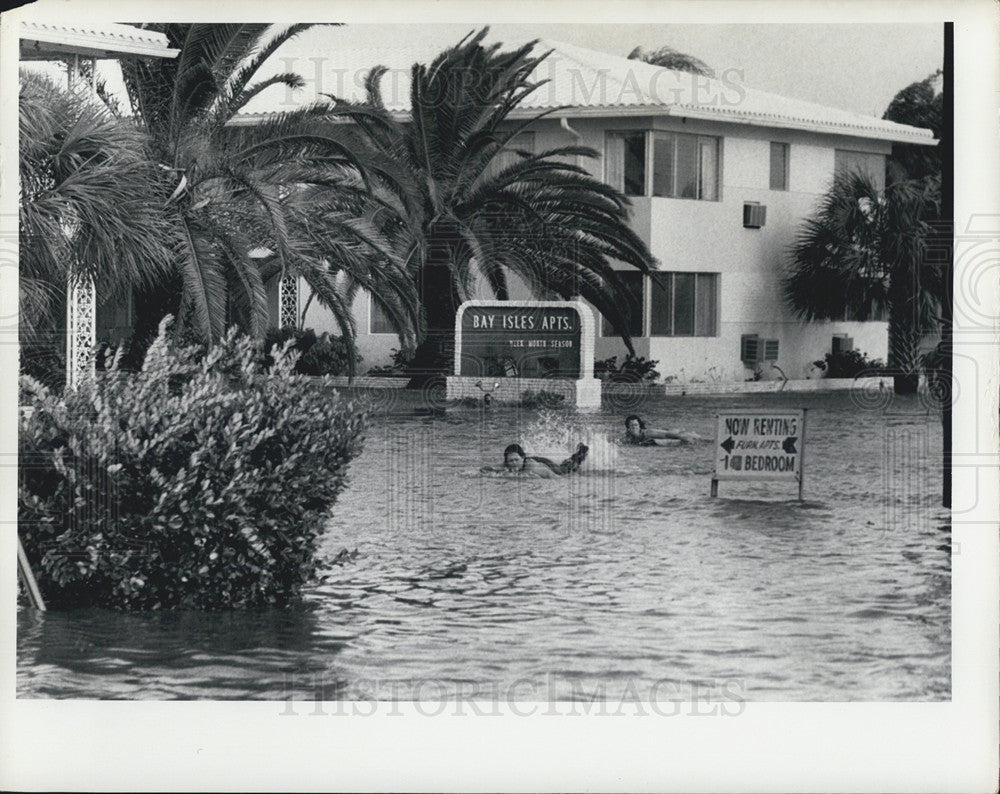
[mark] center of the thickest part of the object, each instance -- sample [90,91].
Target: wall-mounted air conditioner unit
[754,215]
[842,343]
[754,350]
[750,349]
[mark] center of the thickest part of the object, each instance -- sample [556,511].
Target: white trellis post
[81,329]
[288,301]
[81,294]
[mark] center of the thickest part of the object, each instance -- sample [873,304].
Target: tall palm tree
[469,218]
[90,198]
[669,58]
[291,184]
[862,254]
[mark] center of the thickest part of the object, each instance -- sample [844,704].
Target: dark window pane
[635,164]
[663,165]
[706,304]
[687,166]
[779,166]
[661,305]
[380,321]
[683,304]
[633,287]
[845,161]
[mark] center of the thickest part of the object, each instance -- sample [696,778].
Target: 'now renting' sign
[759,444]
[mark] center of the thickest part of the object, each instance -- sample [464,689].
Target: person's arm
[674,435]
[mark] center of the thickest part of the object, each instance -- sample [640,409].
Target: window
[684,304]
[633,286]
[779,166]
[625,162]
[846,161]
[379,320]
[683,166]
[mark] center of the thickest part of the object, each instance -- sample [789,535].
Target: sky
[843,65]
[847,66]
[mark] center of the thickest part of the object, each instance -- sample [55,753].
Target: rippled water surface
[624,579]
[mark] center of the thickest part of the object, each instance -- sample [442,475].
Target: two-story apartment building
[720,177]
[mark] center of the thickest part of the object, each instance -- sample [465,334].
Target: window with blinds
[674,165]
[625,162]
[873,165]
[684,304]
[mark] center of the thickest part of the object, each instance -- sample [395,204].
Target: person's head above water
[633,425]
[513,457]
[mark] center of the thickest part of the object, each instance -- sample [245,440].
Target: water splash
[554,436]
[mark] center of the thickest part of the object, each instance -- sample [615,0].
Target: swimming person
[515,461]
[638,434]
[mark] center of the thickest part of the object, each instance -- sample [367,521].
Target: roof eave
[47,43]
[674,111]
[678,112]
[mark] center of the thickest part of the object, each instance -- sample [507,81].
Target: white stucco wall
[375,349]
[706,236]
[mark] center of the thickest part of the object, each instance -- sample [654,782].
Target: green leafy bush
[851,364]
[318,355]
[631,370]
[201,481]
[400,361]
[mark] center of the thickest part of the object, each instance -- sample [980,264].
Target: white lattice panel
[288,301]
[81,330]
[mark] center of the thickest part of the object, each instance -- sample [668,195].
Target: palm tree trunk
[904,334]
[434,356]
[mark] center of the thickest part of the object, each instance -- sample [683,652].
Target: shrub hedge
[201,481]
[631,370]
[324,354]
[852,364]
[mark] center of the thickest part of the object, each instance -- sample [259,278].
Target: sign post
[760,444]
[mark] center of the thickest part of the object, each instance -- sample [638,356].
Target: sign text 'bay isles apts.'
[759,444]
[527,341]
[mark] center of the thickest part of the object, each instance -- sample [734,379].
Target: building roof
[582,82]
[44,41]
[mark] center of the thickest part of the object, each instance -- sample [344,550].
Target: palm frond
[240,78]
[861,254]
[203,273]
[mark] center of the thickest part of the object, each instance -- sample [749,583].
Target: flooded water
[626,579]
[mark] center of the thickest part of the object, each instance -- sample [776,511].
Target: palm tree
[90,198]
[669,58]
[862,254]
[291,184]
[469,218]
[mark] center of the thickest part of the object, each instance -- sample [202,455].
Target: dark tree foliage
[669,58]
[541,217]
[921,105]
[862,254]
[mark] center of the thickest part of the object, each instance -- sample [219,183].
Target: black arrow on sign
[789,444]
[728,445]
